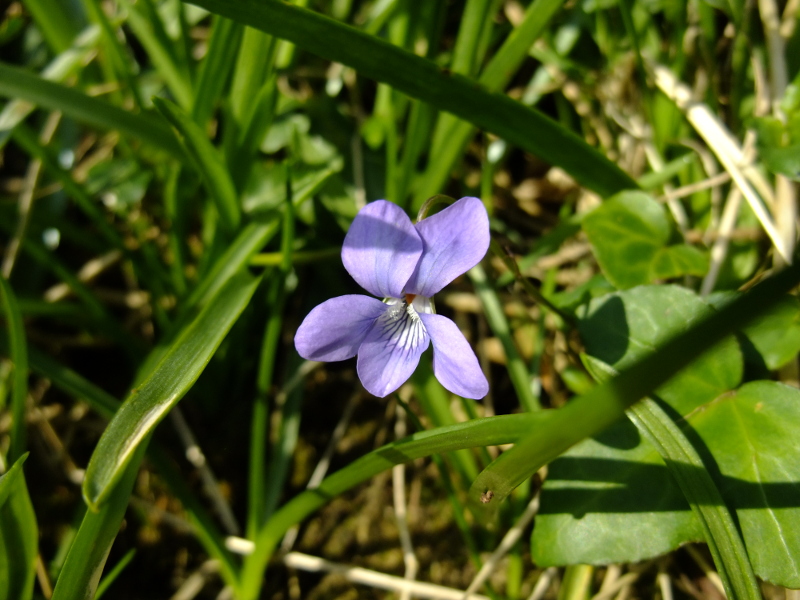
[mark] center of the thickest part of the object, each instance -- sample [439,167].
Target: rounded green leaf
[627,232]
[752,434]
[623,327]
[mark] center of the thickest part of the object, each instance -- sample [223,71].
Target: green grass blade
[146,24]
[19,357]
[686,466]
[54,21]
[207,161]
[61,67]
[215,70]
[176,372]
[19,83]
[493,309]
[600,407]
[471,434]
[453,135]
[260,421]
[109,579]
[73,384]
[87,555]
[19,538]
[424,80]
[252,238]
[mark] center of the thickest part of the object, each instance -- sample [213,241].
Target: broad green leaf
[18,351]
[174,374]
[775,335]
[19,83]
[679,260]
[692,476]
[599,408]
[424,80]
[610,499]
[545,436]
[627,232]
[19,537]
[207,161]
[752,435]
[623,327]
[87,555]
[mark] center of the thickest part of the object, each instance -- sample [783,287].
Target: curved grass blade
[471,434]
[73,384]
[600,407]
[175,373]
[686,465]
[424,80]
[19,83]
[18,536]
[87,555]
[208,163]
[19,356]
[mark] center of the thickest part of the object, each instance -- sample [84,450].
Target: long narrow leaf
[208,162]
[19,356]
[177,371]
[87,555]
[62,66]
[424,80]
[19,83]
[18,535]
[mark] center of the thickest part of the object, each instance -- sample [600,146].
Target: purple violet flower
[405,264]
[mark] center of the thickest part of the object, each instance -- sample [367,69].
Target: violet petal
[335,329]
[454,241]
[381,249]
[391,350]
[454,363]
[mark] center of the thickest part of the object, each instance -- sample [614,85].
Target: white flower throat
[401,325]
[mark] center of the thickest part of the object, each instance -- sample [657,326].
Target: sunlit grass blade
[61,67]
[600,407]
[19,83]
[18,535]
[207,161]
[176,372]
[424,80]
[472,434]
[87,555]
[76,386]
[250,240]
[19,357]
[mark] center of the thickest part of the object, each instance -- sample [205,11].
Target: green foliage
[178,178]
[630,233]
[18,535]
